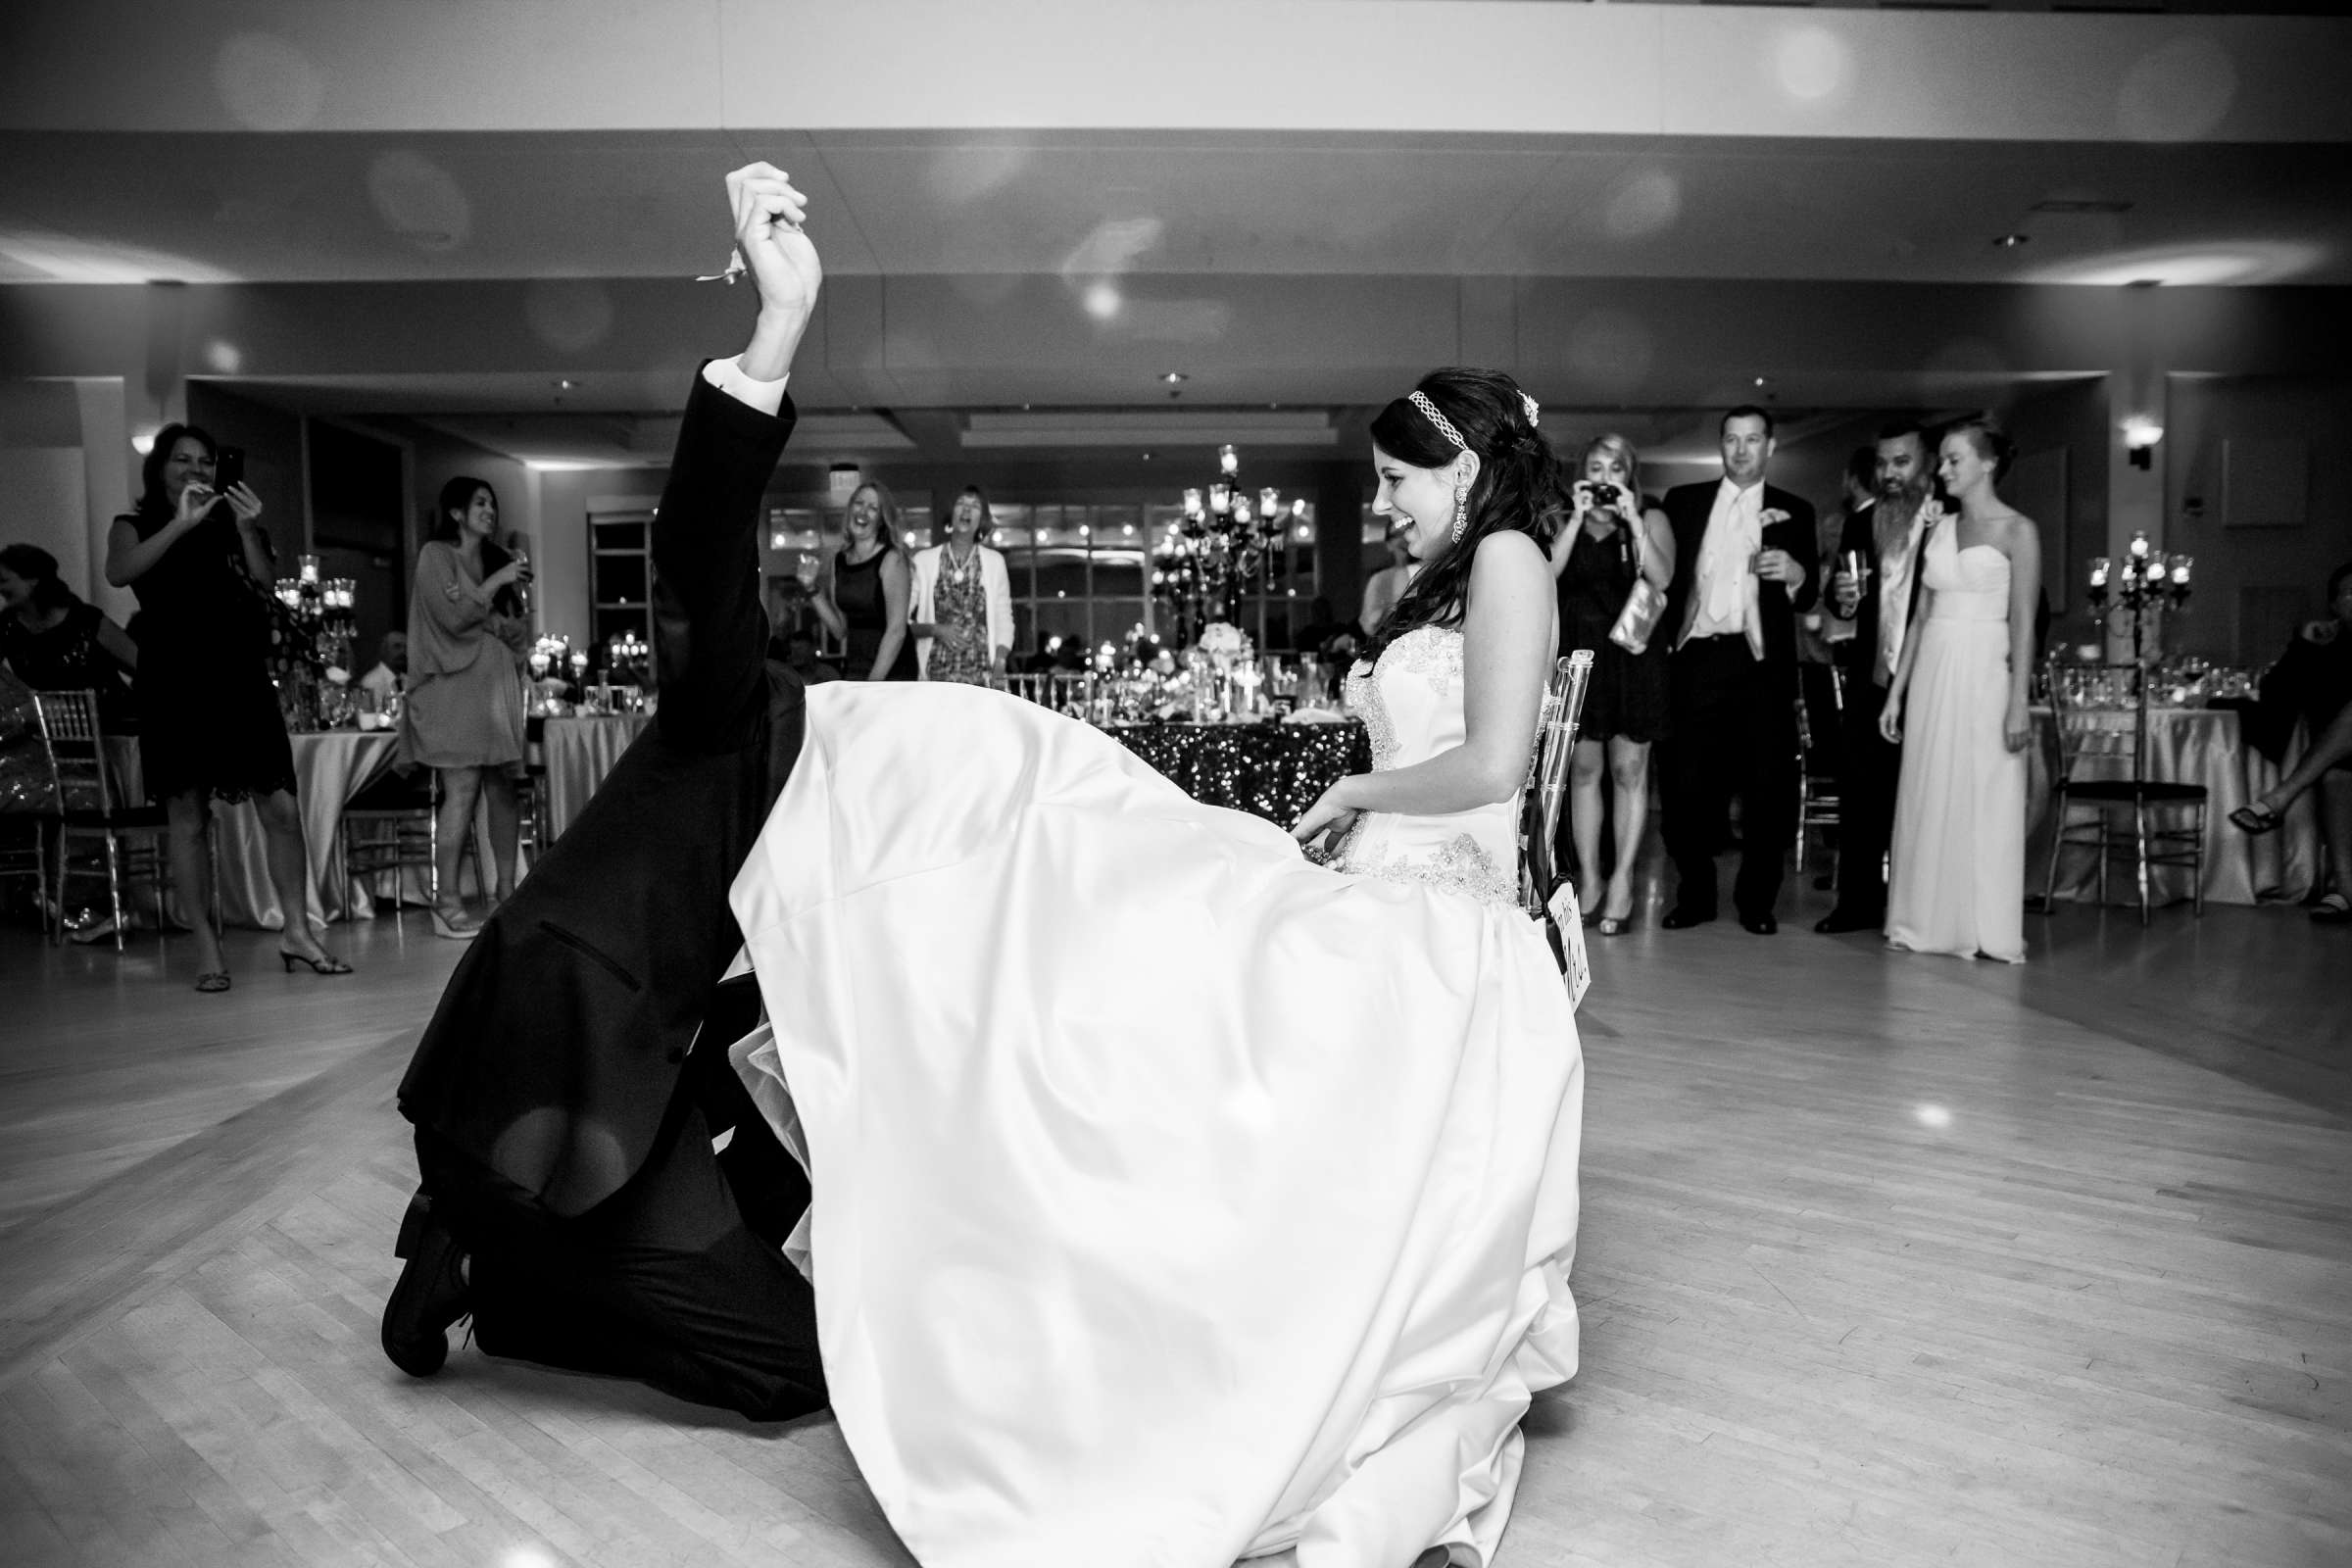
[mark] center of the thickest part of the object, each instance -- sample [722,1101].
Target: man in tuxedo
[598,1190]
[1886,538]
[1743,569]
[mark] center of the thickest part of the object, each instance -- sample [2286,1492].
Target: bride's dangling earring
[1461,511]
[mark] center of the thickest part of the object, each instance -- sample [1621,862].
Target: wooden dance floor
[1885,1261]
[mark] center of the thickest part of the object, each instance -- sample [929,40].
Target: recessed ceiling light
[1175,378]
[2010,242]
[1763,380]
[566,384]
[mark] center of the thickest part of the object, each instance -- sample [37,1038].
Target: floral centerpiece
[1224,644]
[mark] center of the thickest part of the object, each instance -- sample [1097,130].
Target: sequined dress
[961,600]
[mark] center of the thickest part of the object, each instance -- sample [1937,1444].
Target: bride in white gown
[1177,1200]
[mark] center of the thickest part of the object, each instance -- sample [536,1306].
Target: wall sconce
[2141,435]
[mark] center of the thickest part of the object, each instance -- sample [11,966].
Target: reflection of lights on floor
[527,1557]
[1933,1116]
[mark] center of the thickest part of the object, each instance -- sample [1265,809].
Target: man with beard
[1886,538]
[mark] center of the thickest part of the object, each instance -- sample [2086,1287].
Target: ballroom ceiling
[981,268]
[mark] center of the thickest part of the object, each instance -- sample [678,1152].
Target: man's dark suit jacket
[1688,508]
[559,1042]
[1860,652]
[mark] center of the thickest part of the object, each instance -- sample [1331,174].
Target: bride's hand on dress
[1329,812]
[1891,721]
[2017,726]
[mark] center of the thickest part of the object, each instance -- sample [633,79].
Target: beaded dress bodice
[1411,703]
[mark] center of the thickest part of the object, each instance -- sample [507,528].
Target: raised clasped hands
[780,257]
[1845,593]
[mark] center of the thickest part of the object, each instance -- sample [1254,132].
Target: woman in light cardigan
[961,618]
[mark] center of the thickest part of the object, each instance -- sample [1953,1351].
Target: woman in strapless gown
[1177,1200]
[1959,705]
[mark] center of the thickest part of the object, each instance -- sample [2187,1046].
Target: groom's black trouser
[1735,733]
[671,1281]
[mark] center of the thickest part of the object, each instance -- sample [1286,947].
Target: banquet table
[578,751]
[330,766]
[1271,770]
[2185,746]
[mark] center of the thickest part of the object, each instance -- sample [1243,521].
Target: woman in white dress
[1959,706]
[1176,1199]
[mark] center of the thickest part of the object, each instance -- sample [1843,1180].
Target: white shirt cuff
[727,375]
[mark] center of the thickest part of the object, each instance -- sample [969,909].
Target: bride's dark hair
[1521,487]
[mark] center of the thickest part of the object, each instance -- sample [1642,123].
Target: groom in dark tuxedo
[1744,568]
[598,1190]
[1882,605]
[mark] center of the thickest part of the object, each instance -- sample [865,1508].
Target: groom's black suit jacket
[1688,508]
[559,1042]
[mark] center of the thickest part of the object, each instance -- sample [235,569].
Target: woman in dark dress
[1615,538]
[55,641]
[209,721]
[864,600]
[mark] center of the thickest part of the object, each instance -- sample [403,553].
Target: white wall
[44,506]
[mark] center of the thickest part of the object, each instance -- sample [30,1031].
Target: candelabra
[1221,541]
[2140,590]
[324,614]
[625,658]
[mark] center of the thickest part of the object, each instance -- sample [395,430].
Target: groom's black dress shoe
[431,1295]
[1761,925]
[1838,920]
[1682,918]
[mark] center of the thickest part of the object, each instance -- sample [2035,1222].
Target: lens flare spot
[1813,65]
[1936,1116]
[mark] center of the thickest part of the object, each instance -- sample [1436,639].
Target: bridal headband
[1420,400]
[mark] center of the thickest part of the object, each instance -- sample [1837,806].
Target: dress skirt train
[1176,1200]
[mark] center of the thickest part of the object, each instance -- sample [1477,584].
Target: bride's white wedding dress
[1176,1199]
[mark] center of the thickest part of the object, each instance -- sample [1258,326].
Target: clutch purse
[1639,620]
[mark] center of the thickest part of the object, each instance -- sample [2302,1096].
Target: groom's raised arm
[710,633]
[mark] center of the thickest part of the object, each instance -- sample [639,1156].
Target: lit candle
[1268,499]
[1192,503]
[1220,496]
[2140,546]
[2099,566]
[1228,460]
[310,569]
[2180,566]
[1241,511]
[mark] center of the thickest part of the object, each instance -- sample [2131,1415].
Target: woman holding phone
[466,709]
[210,727]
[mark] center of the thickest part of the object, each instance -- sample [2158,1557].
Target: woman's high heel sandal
[2256,819]
[452,922]
[324,964]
